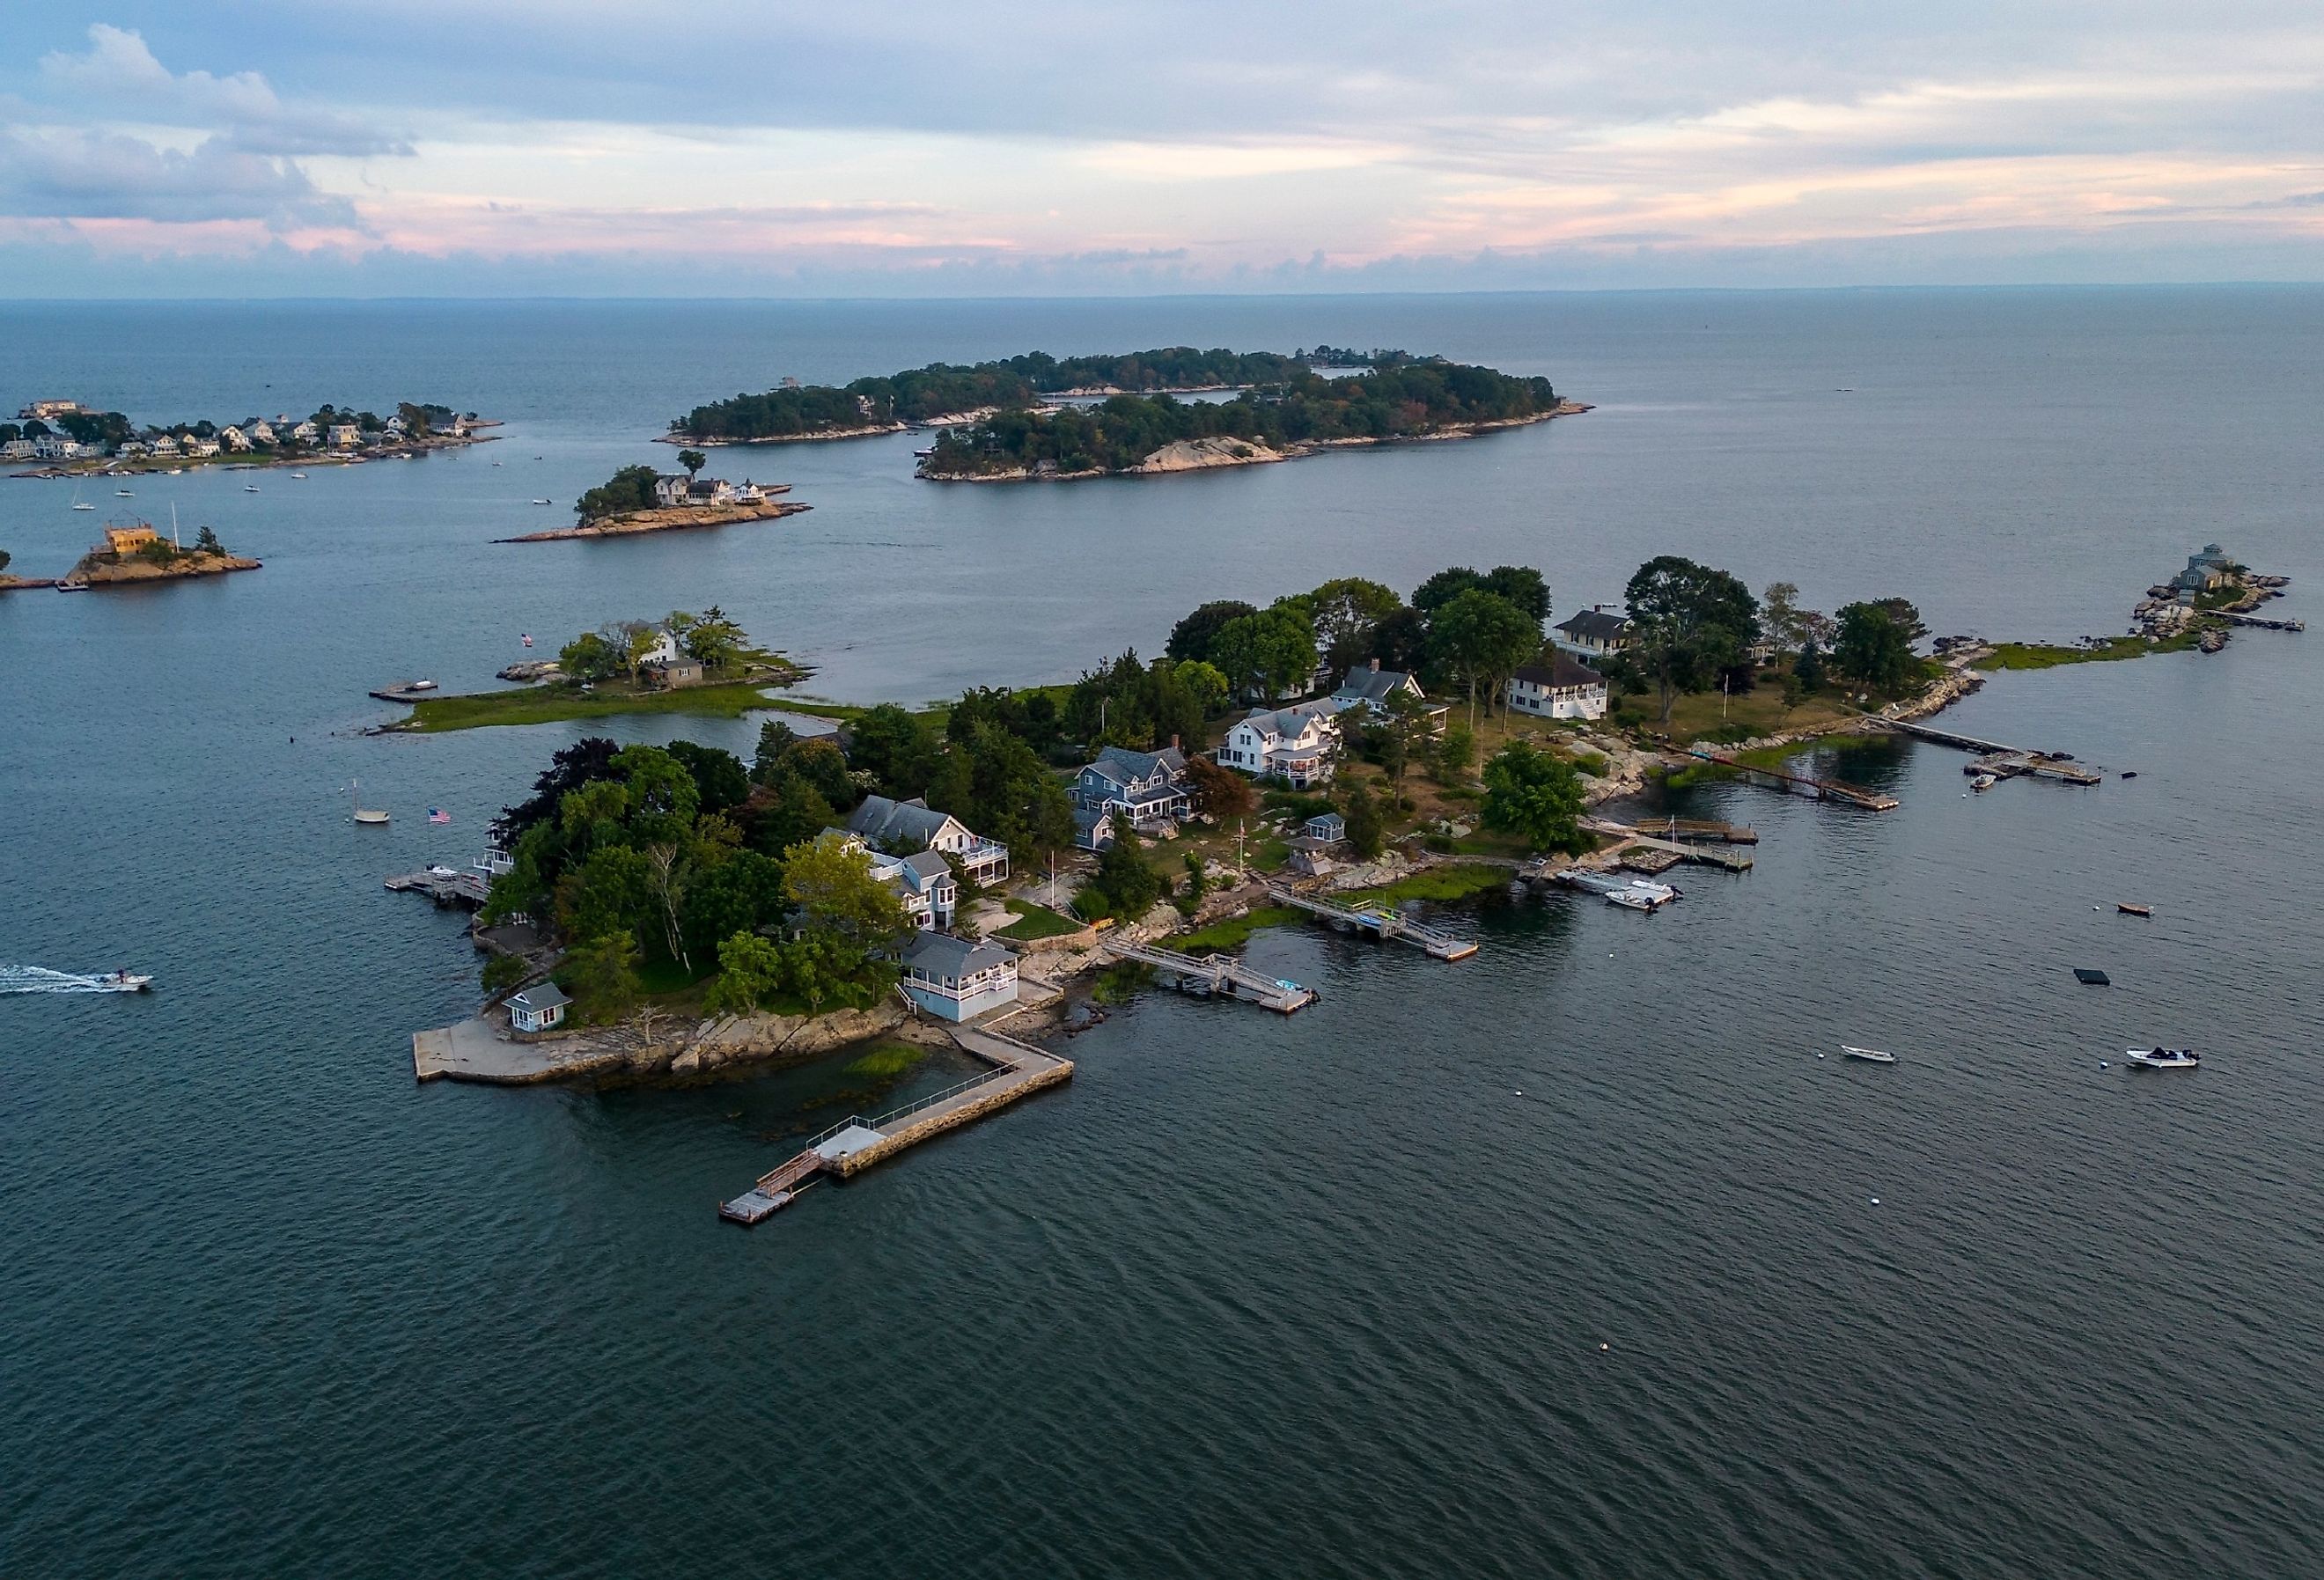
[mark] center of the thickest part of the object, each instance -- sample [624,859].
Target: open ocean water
[1322,1296]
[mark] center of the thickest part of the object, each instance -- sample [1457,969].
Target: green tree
[1482,638]
[1218,793]
[720,783]
[710,639]
[1405,733]
[1192,637]
[1874,647]
[603,975]
[206,542]
[610,892]
[1206,686]
[1537,796]
[830,880]
[631,488]
[1788,627]
[3,560]
[692,460]
[503,972]
[1687,623]
[781,814]
[750,970]
[1346,611]
[588,657]
[738,894]
[1523,585]
[1807,670]
[1367,830]
[1456,755]
[1272,653]
[1130,885]
[897,749]
[1444,587]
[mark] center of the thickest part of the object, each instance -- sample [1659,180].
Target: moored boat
[2164,1059]
[2128,909]
[1869,1055]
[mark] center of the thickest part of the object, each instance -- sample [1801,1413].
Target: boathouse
[539,1008]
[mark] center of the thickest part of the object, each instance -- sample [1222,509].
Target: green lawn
[2041,655]
[1234,931]
[1035,921]
[545,705]
[1456,882]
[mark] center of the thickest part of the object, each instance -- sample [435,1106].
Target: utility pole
[1240,875]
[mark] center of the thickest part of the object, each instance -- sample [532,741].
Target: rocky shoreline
[97,573]
[676,519]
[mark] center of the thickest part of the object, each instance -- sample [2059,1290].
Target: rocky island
[637,499]
[1400,399]
[135,554]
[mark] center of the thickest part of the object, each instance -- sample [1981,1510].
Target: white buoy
[1603,1348]
[2102,1063]
[1819,1055]
[1876,1201]
[1520,1092]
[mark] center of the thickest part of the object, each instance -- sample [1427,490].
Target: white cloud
[120,71]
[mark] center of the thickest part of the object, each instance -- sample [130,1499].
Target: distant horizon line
[2052,287]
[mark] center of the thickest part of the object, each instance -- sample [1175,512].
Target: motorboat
[298,476]
[2164,1059]
[1983,781]
[122,981]
[250,488]
[122,494]
[420,685]
[72,586]
[544,502]
[1869,1055]
[2128,909]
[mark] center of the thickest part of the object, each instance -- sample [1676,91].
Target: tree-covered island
[62,437]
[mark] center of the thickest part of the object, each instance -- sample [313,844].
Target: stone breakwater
[483,1051]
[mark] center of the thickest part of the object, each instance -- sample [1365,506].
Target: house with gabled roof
[907,827]
[1149,787]
[1561,687]
[1592,630]
[958,979]
[1294,743]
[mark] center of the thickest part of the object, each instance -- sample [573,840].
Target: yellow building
[123,542]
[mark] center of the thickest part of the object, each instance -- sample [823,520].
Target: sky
[892,148]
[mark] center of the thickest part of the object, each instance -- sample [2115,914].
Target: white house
[17,449]
[913,825]
[1371,689]
[675,488]
[56,447]
[304,433]
[958,978]
[1149,786]
[1296,743]
[345,436]
[165,444]
[201,446]
[1562,688]
[1592,630]
[538,1007]
[261,432]
[234,438]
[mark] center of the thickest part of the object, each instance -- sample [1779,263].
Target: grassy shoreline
[2042,655]
[482,710]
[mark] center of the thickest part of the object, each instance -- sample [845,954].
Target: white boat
[420,685]
[72,586]
[2164,1059]
[1869,1055]
[124,494]
[298,476]
[250,488]
[79,503]
[369,815]
[1983,781]
[544,502]
[122,981]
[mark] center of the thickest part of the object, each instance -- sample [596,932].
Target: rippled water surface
[1316,1296]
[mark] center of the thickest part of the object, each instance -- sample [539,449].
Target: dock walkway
[443,888]
[1220,975]
[1731,860]
[1017,1069]
[1822,790]
[1381,922]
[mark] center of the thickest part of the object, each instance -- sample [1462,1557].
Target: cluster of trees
[940,389]
[1126,702]
[1349,356]
[659,856]
[631,488]
[1402,401]
[711,639]
[1537,796]
[1462,628]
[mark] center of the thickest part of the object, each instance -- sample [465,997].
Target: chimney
[1174,743]
[1375,666]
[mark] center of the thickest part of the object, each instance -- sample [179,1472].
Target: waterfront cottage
[234,438]
[55,447]
[1560,688]
[165,444]
[1592,630]
[123,541]
[1294,743]
[1370,689]
[261,432]
[913,825]
[676,488]
[1326,828]
[539,1008]
[958,979]
[17,449]
[345,436]
[670,674]
[201,446]
[1151,787]
[304,433]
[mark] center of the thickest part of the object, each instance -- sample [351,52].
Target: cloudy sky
[882,147]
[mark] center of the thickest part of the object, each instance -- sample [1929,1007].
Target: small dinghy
[1869,1055]
[2091,977]
[2164,1059]
[2128,909]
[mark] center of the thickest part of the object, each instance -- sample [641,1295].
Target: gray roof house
[1593,631]
[958,979]
[538,1007]
[915,826]
[1373,687]
[1149,786]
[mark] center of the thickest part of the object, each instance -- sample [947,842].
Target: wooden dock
[2034,765]
[1381,922]
[1215,977]
[1822,790]
[446,889]
[1702,831]
[1640,838]
[1016,1070]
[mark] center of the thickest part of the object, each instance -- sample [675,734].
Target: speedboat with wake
[124,982]
[2164,1059]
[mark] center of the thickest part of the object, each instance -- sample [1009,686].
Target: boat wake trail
[39,979]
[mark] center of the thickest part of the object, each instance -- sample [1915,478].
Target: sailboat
[364,814]
[79,503]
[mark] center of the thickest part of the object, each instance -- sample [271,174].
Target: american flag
[436,816]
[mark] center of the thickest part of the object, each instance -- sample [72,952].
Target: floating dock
[1382,923]
[2034,765]
[1017,1069]
[1822,790]
[1702,831]
[1641,839]
[1216,976]
[446,889]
